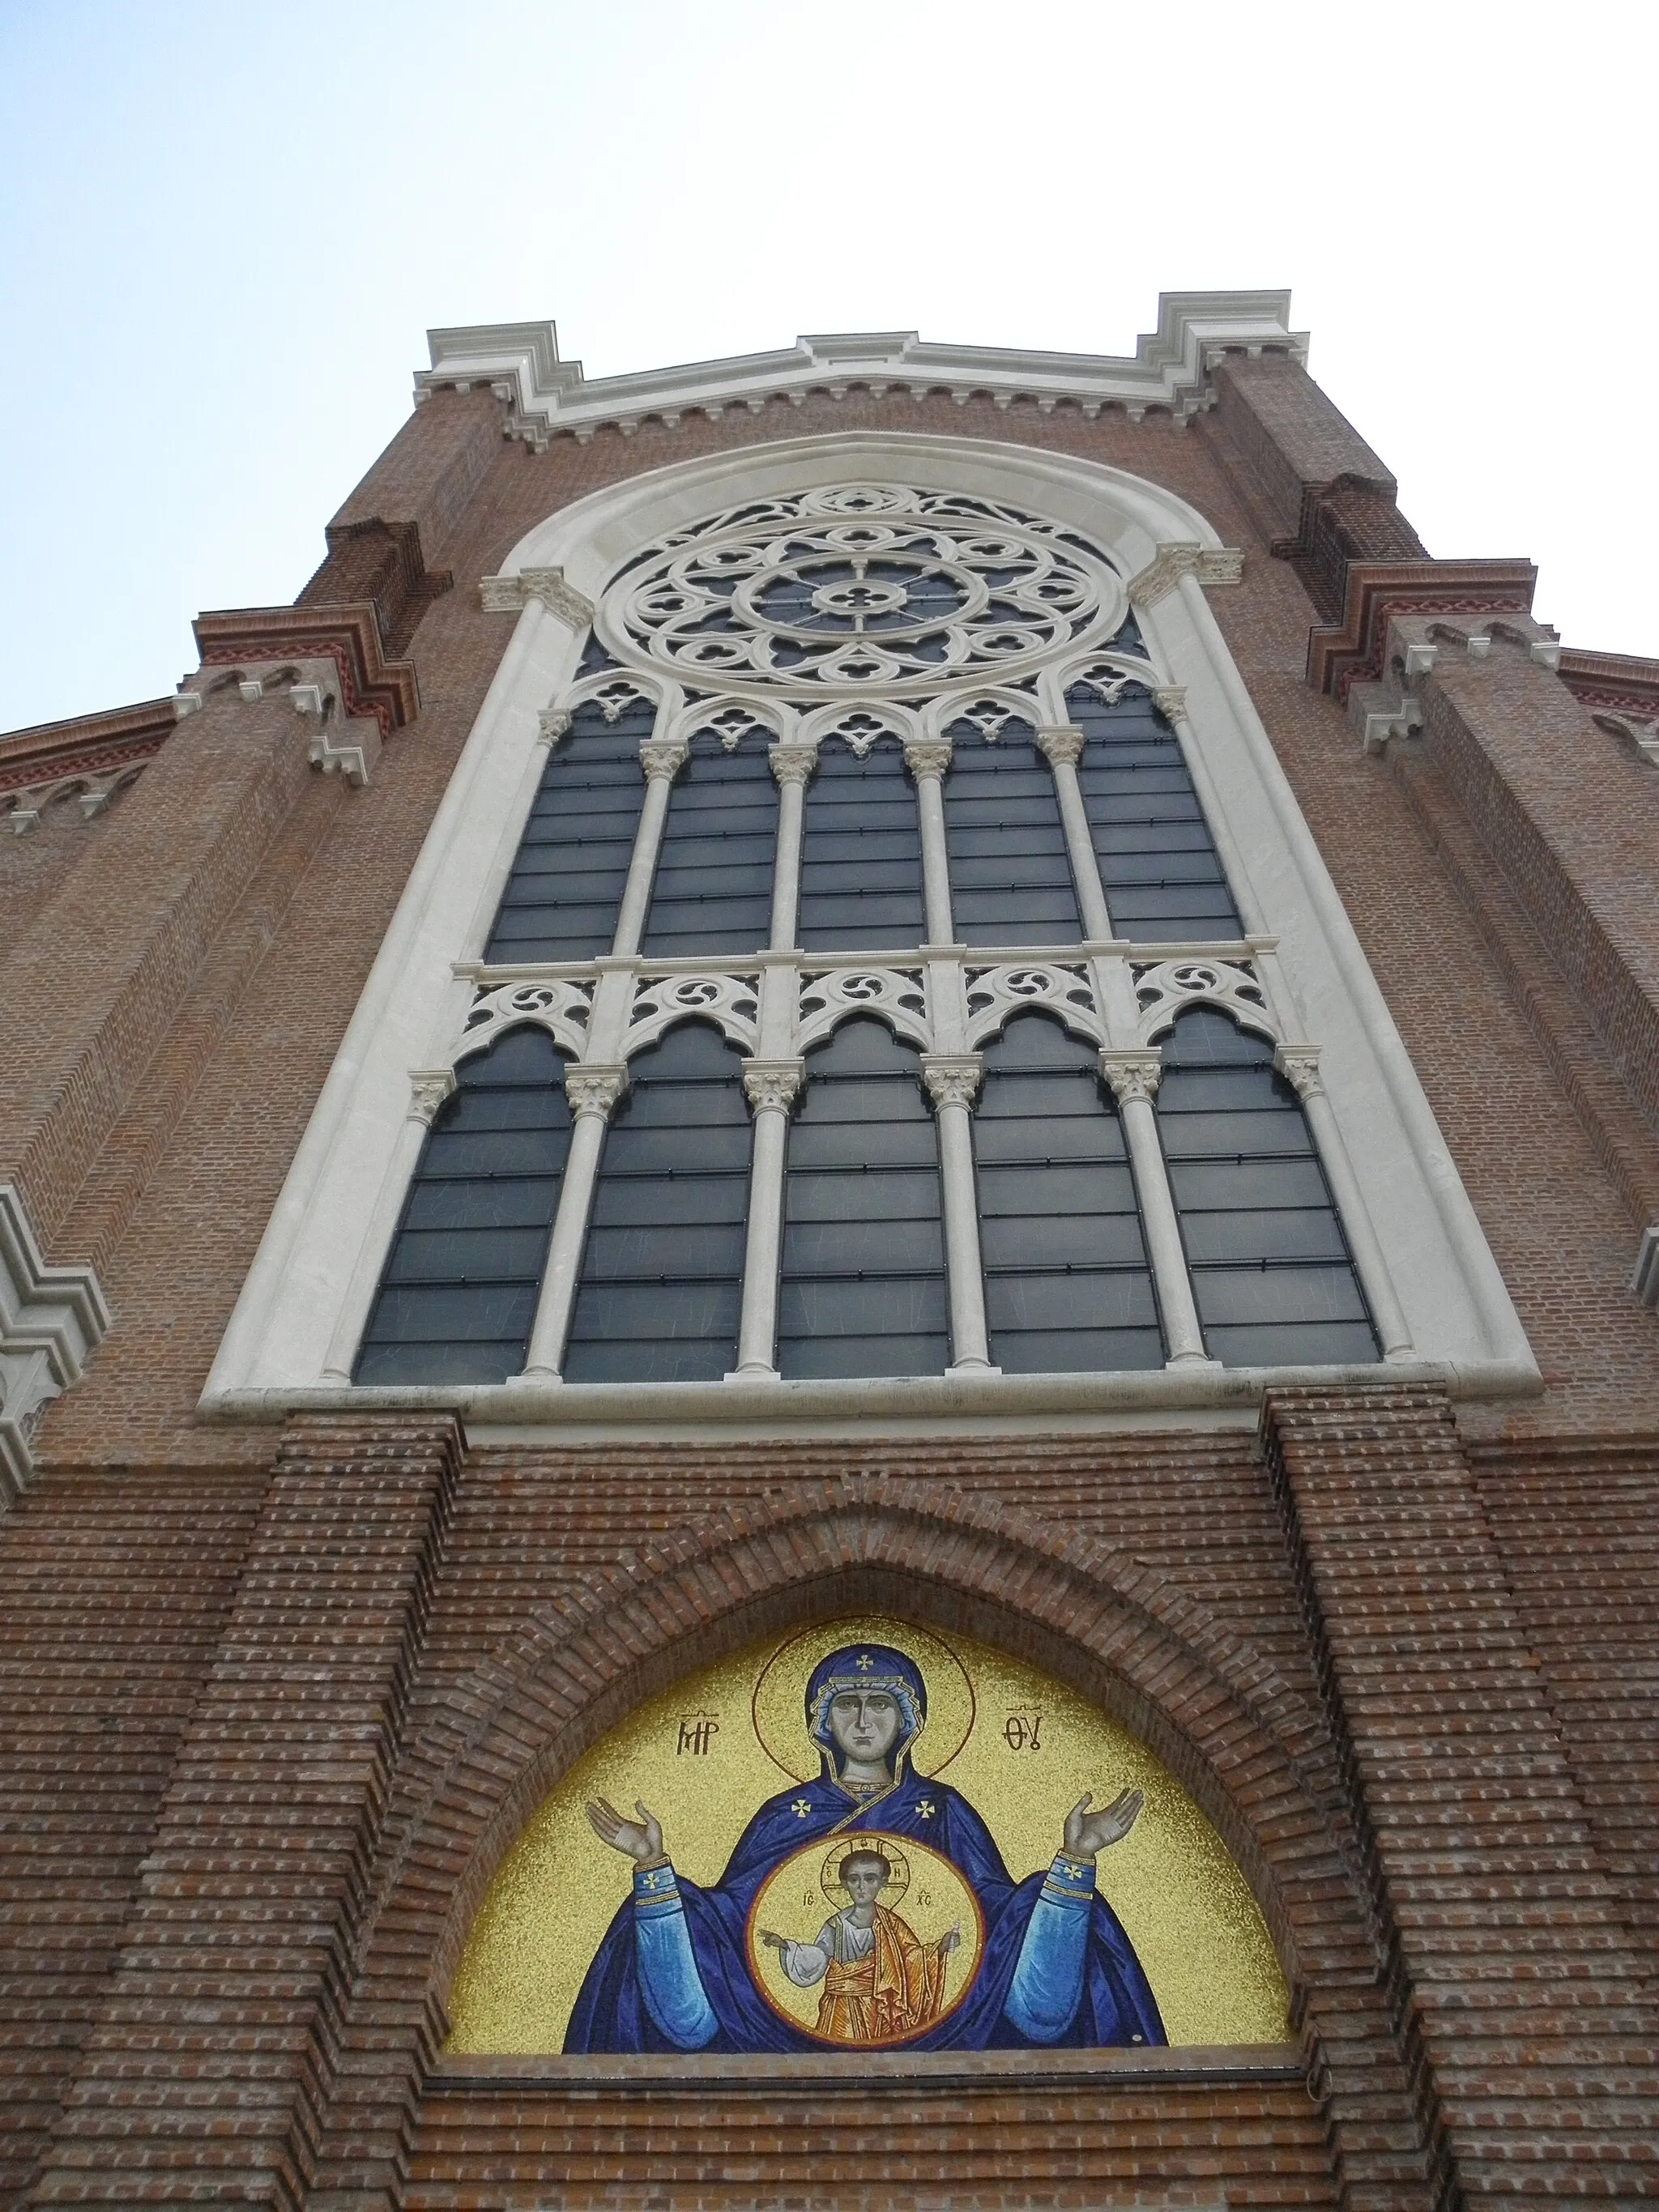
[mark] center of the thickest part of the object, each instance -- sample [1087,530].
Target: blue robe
[1113,2002]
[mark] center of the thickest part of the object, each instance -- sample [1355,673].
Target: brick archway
[1252,1750]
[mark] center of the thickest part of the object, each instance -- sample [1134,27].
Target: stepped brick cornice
[1342,653]
[348,635]
[86,745]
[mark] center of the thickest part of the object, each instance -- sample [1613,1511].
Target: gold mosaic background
[1028,1748]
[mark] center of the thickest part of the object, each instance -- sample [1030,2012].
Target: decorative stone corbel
[506,595]
[1220,564]
[51,1319]
[429,1087]
[353,752]
[552,724]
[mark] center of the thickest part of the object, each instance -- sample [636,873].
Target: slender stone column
[593,1091]
[952,1082]
[1063,748]
[928,760]
[771,1087]
[429,1087]
[1133,1076]
[1300,1065]
[662,761]
[791,765]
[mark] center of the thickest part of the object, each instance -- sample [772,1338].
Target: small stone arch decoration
[559,1006]
[732,1003]
[1165,990]
[1060,990]
[830,996]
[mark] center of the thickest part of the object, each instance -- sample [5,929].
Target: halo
[829,1880]
[780,1692]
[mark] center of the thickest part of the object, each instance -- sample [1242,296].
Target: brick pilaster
[209,2073]
[1521,1993]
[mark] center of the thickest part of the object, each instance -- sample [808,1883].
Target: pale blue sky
[224,231]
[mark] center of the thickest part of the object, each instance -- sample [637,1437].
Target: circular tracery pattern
[861,587]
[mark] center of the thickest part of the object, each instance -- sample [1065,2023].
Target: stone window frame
[1298,974]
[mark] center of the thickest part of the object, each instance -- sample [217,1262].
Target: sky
[225,230]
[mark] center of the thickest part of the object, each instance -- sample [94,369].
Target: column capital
[1062,745]
[792,764]
[429,1087]
[594,1089]
[1171,701]
[1134,1074]
[928,758]
[1299,1064]
[952,1079]
[662,758]
[770,1086]
[552,724]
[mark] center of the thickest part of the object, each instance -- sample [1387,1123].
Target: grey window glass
[863,1285]
[712,890]
[1010,881]
[662,1273]
[1068,1286]
[1271,1269]
[562,897]
[457,1299]
[1162,874]
[861,868]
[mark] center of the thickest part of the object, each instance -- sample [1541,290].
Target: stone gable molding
[1171,370]
[504,595]
[51,1319]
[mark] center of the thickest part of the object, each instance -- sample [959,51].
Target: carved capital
[506,595]
[1133,1074]
[551,724]
[952,1079]
[594,1089]
[662,759]
[770,1086]
[1063,747]
[792,764]
[1299,1064]
[1171,701]
[928,757]
[1220,564]
[429,1087]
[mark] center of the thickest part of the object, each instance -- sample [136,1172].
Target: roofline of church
[1169,370]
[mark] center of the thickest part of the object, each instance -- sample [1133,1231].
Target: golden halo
[779,1703]
[835,1890]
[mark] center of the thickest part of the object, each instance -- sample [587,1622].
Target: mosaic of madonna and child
[1059,1889]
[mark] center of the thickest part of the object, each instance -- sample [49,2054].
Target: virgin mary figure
[672,1972]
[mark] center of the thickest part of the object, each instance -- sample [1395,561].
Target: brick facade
[279,1697]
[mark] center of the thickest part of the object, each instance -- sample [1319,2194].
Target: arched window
[458,1296]
[856,756]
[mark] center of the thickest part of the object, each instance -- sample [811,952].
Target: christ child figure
[881,1981]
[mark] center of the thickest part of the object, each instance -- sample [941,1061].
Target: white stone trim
[307,1276]
[1169,369]
[52,1320]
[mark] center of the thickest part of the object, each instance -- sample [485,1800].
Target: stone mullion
[953,1081]
[662,761]
[592,1089]
[771,1087]
[927,759]
[1134,1076]
[252,1899]
[1517,1985]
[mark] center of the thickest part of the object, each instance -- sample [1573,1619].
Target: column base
[534,1379]
[1189,1360]
[754,1370]
[972,1367]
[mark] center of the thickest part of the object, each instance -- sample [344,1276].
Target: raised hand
[949,1942]
[641,1839]
[778,1943]
[1087,1833]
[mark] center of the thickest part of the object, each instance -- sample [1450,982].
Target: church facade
[829,1371]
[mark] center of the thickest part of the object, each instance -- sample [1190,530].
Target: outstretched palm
[639,1840]
[1087,1833]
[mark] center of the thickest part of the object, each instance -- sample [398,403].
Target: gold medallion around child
[874,1944]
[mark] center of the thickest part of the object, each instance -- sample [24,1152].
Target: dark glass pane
[1068,1286]
[662,1273]
[713,889]
[562,897]
[1272,1273]
[1159,864]
[860,866]
[457,1299]
[863,1287]
[1011,880]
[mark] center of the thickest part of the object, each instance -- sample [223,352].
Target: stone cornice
[348,635]
[90,745]
[1169,370]
[1344,653]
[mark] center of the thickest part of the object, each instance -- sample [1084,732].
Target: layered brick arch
[1251,1749]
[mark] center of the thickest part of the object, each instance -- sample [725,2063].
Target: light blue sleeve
[1047,1984]
[674,1995]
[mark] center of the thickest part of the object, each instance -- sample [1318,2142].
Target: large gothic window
[818,753]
